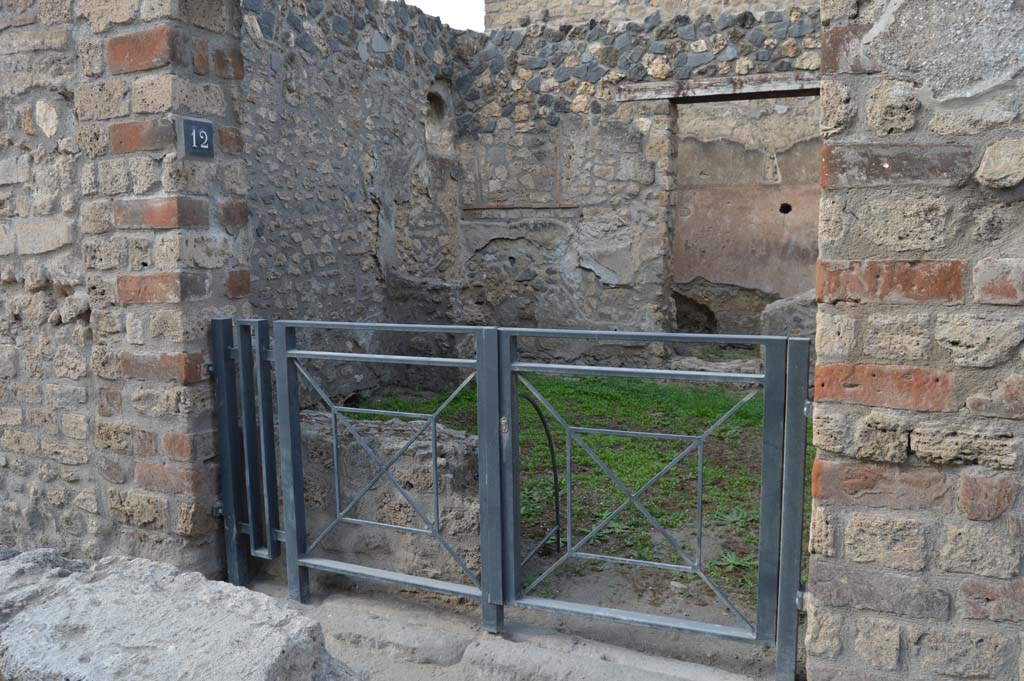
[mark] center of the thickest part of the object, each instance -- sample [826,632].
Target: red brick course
[164,212]
[159,478]
[891,281]
[153,135]
[994,601]
[987,498]
[185,368]
[238,284]
[879,486]
[230,140]
[227,63]
[842,52]
[234,214]
[898,387]
[141,51]
[999,281]
[200,57]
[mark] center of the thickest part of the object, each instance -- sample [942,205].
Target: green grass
[732,473]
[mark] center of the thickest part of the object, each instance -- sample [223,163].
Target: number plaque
[197,137]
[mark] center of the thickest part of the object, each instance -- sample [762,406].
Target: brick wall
[918,521]
[114,251]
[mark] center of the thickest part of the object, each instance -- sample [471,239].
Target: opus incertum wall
[486,179]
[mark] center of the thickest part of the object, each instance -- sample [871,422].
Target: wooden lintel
[755,86]
[511,206]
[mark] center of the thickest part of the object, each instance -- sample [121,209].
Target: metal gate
[259,367]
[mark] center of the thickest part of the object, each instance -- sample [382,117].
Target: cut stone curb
[134,618]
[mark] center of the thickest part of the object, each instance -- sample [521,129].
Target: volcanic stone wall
[552,156]
[402,171]
[349,120]
[521,13]
[114,252]
[918,528]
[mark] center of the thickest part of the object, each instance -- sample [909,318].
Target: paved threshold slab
[392,638]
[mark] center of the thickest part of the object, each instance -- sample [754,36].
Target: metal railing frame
[250,504]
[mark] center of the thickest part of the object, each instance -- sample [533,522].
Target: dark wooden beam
[727,88]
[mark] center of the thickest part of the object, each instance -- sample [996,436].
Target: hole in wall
[692,316]
[437,106]
[786,209]
[437,121]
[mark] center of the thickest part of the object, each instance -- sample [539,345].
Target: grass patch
[732,469]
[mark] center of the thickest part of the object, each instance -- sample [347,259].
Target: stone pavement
[399,637]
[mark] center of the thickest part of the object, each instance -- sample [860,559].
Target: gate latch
[218,510]
[503,425]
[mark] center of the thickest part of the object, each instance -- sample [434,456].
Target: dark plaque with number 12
[198,138]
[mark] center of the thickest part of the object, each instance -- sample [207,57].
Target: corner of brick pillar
[917,528]
[123,248]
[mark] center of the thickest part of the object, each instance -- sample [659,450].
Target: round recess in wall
[785,209]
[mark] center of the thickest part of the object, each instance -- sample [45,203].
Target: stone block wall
[521,13]
[114,252]
[918,524]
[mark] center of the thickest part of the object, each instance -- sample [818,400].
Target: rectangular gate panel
[774,382]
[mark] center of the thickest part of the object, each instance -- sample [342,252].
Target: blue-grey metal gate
[262,473]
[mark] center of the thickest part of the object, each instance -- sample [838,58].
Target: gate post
[509,406]
[793,470]
[291,462]
[771,485]
[232,484]
[489,462]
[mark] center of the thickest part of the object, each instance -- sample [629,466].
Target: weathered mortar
[918,529]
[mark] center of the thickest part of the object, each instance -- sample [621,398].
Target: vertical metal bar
[771,489]
[437,477]
[700,505]
[792,508]
[489,460]
[236,545]
[568,491]
[291,461]
[268,447]
[250,438]
[510,483]
[336,458]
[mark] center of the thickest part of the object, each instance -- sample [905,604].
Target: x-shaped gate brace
[433,528]
[693,565]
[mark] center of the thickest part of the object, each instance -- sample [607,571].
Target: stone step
[391,638]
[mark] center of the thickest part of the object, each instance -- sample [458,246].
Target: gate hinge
[503,424]
[209,369]
[218,510]
[809,408]
[801,597]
